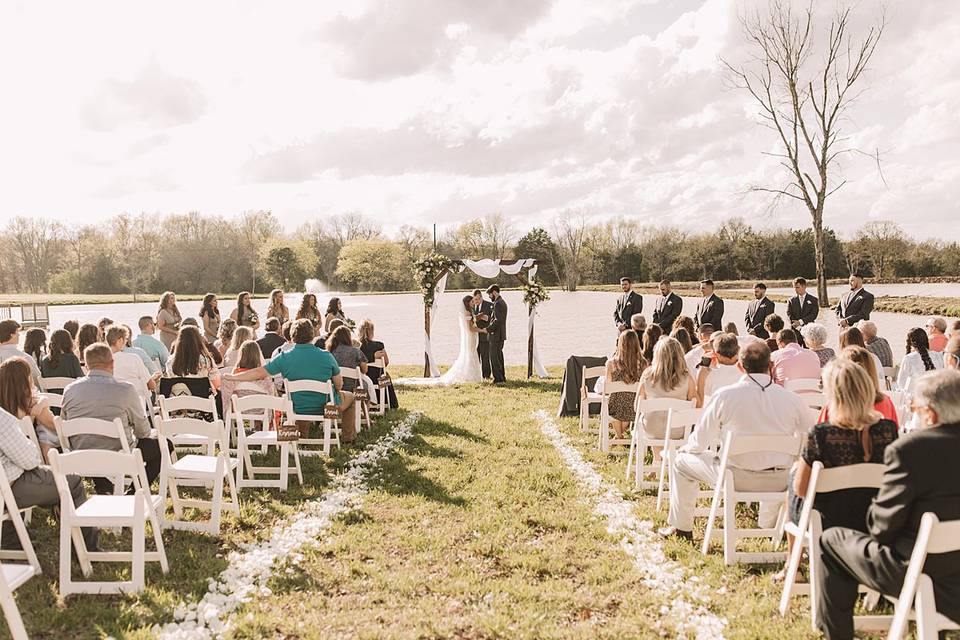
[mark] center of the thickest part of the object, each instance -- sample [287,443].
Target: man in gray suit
[497,334]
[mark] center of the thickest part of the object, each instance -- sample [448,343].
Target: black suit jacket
[269,343]
[922,475]
[855,306]
[807,314]
[709,312]
[628,304]
[757,311]
[485,307]
[497,327]
[666,310]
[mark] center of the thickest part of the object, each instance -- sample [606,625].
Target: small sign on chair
[360,395]
[331,411]
[288,433]
[384,380]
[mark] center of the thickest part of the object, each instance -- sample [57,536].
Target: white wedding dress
[466,369]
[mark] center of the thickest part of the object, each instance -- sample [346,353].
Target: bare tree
[350,226]
[570,233]
[36,246]
[805,101]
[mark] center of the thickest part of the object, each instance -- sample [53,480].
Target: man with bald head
[875,344]
[753,405]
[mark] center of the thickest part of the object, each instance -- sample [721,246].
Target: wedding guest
[856,304]
[168,319]
[100,395]
[277,309]
[244,315]
[334,312]
[190,322]
[682,321]
[307,362]
[128,367]
[210,321]
[191,359]
[225,336]
[638,322]
[710,307]
[919,359]
[875,344]
[271,340]
[852,337]
[308,310]
[954,328]
[89,334]
[626,365]
[628,304]
[19,397]
[882,402]
[666,377]
[650,338]
[722,370]
[9,346]
[61,360]
[815,336]
[704,336]
[35,344]
[667,308]
[951,355]
[680,335]
[921,476]
[155,349]
[250,358]
[374,350]
[731,327]
[102,325]
[936,332]
[754,405]
[145,358]
[232,354]
[803,308]
[773,324]
[791,361]
[287,340]
[854,433]
[72,327]
[757,311]
[340,346]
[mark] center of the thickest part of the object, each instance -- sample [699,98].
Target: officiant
[629,303]
[481,313]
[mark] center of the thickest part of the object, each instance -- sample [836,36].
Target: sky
[440,111]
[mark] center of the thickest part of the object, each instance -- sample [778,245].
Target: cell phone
[704,361]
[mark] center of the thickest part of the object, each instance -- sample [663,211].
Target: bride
[466,368]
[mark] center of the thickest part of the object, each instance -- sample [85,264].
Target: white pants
[690,469]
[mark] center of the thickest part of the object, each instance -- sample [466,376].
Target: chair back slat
[187,403]
[313,386]
[591,373]
[865,475]
[26,425]
[55,383]
[249,403]
[54,400]
[350,372]
[738,443]
[944,537]
[212,431]
[649,405]
[682,417]
[98,463]
[67,429]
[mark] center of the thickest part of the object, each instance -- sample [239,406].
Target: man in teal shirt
[307,362]
[153,347]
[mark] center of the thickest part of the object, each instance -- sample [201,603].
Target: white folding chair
[726,491]
[245,409]
[814,400]
[130,511]
[890,376]
[588,397]
[640,441]
[55,384]
[170,407]
[803,385]
[604,441]
[208,469]
[677,419]
[916,597]
[331,432]
[807,531]
[15,574]
[54,400]
[66,429]
[363,410]
[383,394]
[26,425]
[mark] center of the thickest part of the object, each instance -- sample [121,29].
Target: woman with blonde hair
[374,350]
[277,308]
[882,403]
[667,377]
[225,336]
[168,319]
[232,355]
[626,365]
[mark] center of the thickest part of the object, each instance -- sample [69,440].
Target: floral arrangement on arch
[534,293]
[427,271]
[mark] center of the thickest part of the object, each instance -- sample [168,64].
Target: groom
[497,333]
[481,313]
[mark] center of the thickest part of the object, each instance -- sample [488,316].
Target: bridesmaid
[168,319]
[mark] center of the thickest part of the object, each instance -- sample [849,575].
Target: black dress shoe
[673,532]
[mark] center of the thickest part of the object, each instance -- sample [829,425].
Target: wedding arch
[432,272]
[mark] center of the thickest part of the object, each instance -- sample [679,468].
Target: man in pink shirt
[791,361]
[936,332]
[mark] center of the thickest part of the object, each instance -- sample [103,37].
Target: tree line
[194,253]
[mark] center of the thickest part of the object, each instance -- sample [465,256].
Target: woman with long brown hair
[232,355]
[19,398]
[685,339]
[277,308]
[61,360]
[340,346]
[244,315]
[627,366]
[308,310]
[685,322]
[191,359]
[168,319]
[35,344]
[651,336]
[853,337]
[88,334]
[334,312]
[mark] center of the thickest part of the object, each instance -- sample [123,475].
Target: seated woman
[853,337]
[35,344]
[61,360]
[340,346]
[773,324]
[685,322]
[815,337]
[666,377]
[681,335]
[651,336]
[919,359]
[374,350]
[250,358]
[88,334]
[19,398]
[191,358]
[232,355]
[627,366]
[856,433]
[225,336]
[882,402]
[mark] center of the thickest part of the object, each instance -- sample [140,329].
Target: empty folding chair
[680,423]
[210,469]
[587,396]
[331,432]
[129,511]
[15,574]
[726,492]
[247,409]
[641,441]
[803,385]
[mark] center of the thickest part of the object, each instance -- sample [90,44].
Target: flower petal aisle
[248,571]
[684,612]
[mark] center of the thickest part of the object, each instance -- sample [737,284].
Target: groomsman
[802,308]
[710,307]
[757,311]
[667,308]
[856,304]
[629,303]
[481,311]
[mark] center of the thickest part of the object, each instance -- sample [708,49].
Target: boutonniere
[669,302]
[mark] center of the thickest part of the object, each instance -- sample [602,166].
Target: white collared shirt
[758,407]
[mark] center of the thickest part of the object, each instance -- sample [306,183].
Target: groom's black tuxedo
[483,348]
[496,335]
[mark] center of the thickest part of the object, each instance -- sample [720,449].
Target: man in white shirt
[704,334]
[754,405]
[723,370]
[128,367]
[10,346]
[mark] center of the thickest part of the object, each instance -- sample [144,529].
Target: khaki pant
[348,418]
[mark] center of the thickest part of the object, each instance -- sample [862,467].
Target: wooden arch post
[426,322]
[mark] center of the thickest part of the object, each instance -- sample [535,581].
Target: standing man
[497,334]
[481,313]
[629,303]
[856,304]
[757,311]
[710,307]
[802,308]
[667,308]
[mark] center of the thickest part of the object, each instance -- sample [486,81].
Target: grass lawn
[475,529]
